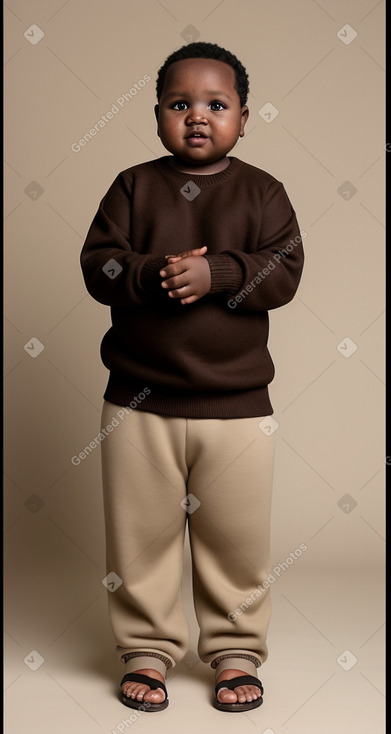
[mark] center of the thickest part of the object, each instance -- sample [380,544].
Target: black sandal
[241,680]
[153,683]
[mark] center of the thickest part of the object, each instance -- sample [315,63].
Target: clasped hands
[187,275]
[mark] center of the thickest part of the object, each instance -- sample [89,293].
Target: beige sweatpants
[158,473]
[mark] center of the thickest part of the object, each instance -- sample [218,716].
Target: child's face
[200,117]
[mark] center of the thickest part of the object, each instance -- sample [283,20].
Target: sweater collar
[203,180]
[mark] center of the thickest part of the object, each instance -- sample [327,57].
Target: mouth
[196,138]
[196,135]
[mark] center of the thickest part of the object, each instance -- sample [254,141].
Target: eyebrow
[217,93]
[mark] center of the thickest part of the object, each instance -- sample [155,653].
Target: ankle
[235,665]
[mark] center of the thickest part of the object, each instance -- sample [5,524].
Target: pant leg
[144,480]
[231,471]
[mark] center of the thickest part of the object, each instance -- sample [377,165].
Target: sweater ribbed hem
[179,404]
[149,277]
[226,273]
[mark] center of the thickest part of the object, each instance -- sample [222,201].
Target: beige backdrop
[316,123]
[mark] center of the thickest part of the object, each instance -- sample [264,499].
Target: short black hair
[201,50]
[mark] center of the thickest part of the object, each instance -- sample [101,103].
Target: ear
[156,111]
[243,119]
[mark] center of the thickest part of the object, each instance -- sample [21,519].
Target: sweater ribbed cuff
[149,277]
[226,273]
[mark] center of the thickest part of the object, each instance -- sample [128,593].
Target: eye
[180,105]
[216,106]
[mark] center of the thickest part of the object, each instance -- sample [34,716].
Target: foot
[241,694]
[141,691]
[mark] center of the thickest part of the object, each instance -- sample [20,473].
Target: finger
[170,272]
[180,281]
[176,279]
[197,251]
[189,299]
[173,269]
[179,292]
[178,256]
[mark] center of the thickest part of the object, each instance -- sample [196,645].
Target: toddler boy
[190,251]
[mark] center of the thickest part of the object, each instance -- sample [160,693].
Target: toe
[241,694]
[155,696]
[134,690]
[127,689]
[247,693]
[224,695]
[141,692]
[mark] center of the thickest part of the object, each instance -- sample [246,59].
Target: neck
[210,168]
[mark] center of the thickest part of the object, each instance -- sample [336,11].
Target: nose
[196,115]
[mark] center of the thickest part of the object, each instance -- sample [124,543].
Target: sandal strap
[153,683]
[241,680]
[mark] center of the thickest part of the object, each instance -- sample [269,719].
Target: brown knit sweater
[207,359]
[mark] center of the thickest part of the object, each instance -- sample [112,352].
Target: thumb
[197,252]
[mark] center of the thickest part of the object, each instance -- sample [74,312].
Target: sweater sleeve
[269,277]
[114,273]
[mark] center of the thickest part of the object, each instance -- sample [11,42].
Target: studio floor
[324,674]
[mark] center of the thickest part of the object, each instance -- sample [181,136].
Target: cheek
[168,127]
[229,126]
